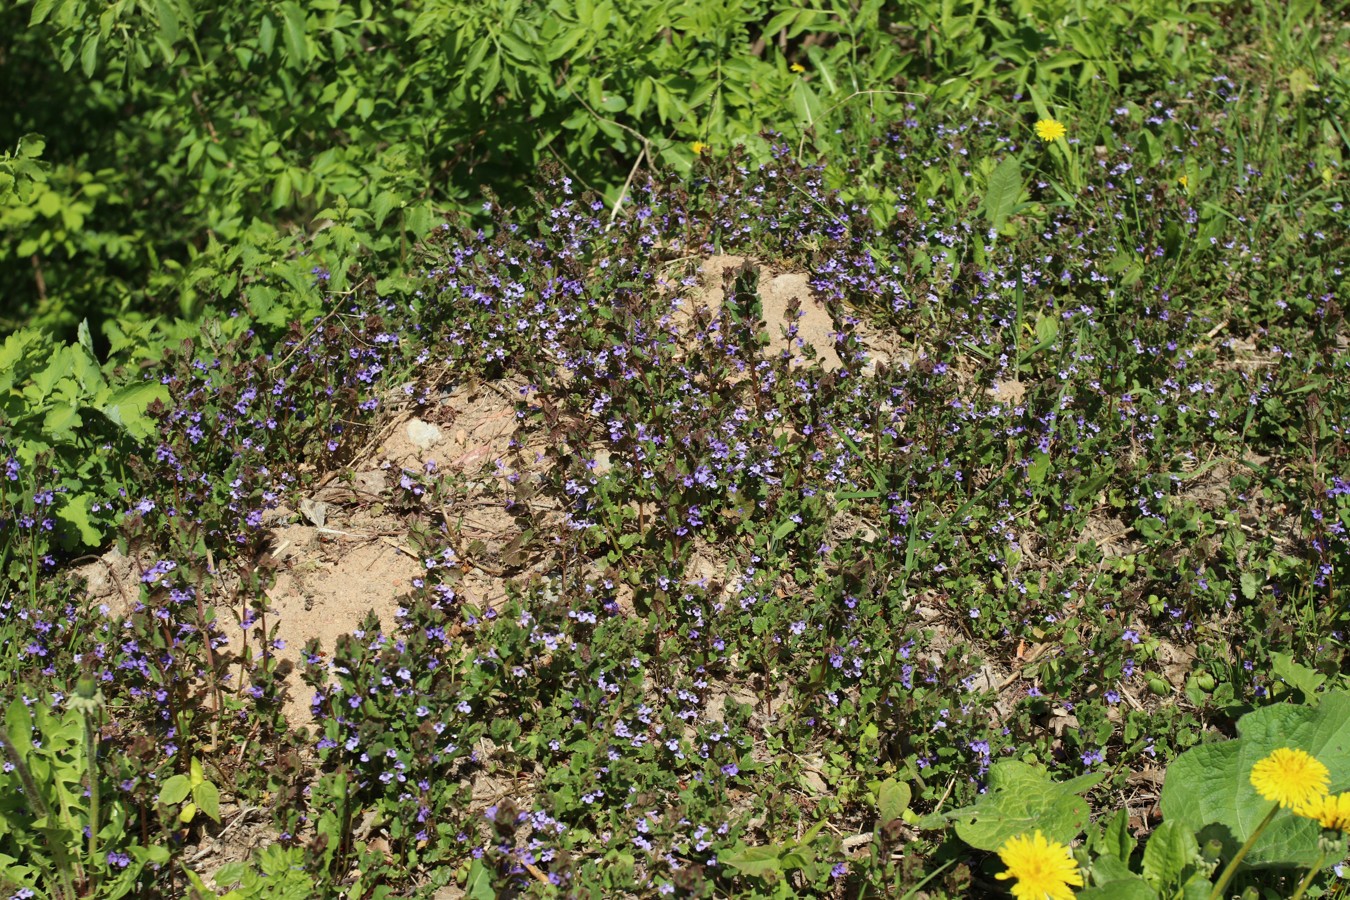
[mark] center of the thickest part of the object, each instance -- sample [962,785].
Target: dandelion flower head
[698,147]
[1332,810]
[1290,777]
[1050,130]
[1044,869]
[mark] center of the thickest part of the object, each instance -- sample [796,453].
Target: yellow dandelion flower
[1290,777]
[1050,130]
[698,147]
[1044,869]
[1332,810]
[1184,182]
[797,67]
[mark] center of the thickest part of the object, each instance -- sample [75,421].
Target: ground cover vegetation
[1028,578]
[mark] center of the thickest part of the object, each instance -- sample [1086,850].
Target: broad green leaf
[753,860]
[61,421]
[1209,790]
[1107,868]
[44,382]
[1170,849]
[892,800]
[1003,192]
[31,146]
[168,21]
[175,790]
[75,512]
[1039,468]
[126,406]
[207,797]
[1121,889]
[1020,800]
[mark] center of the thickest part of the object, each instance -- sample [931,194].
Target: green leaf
[126,406]
[31,146]
[168,21]
[1170,849]
[1250,584]
[19,724]
[1022,799]
[344,102]
[293,31]
[1117,840]
[805,104]
[89,55]
[784,530]
[75,512]
[207,797]
[1209,790]
[1298,676]
[478,885]
[756,861]
[1003,192]
[41,9]
[175,790]
[1039,468]
[267,36]
[281,190]
[61,421]
[892,800]
[1107,868]
[1134,888]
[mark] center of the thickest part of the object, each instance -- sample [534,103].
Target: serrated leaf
[1003,192]
[19,725]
